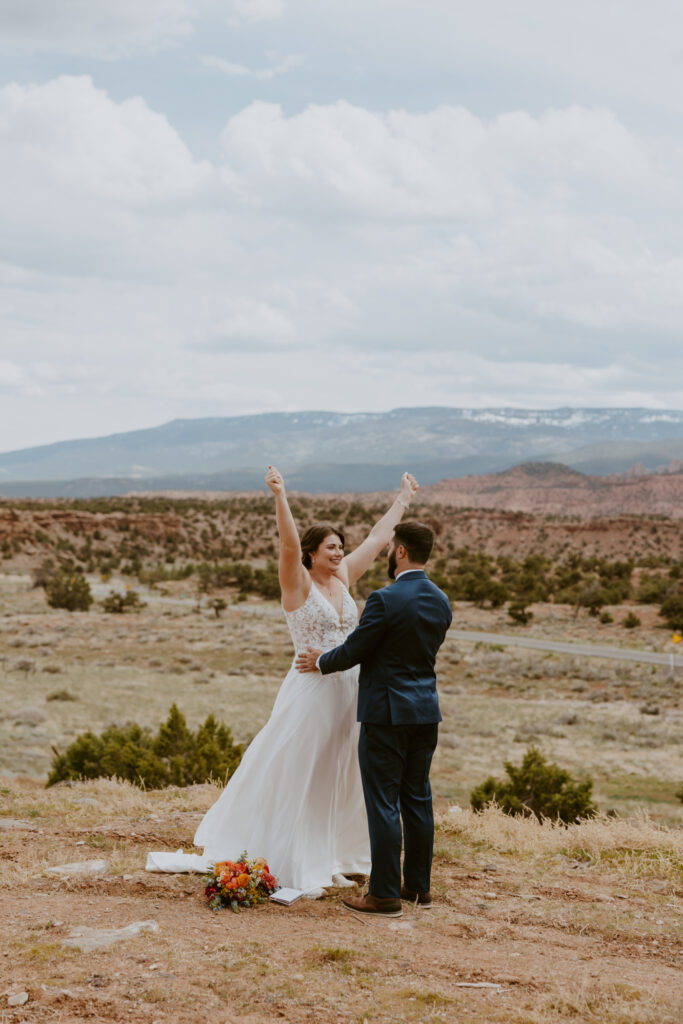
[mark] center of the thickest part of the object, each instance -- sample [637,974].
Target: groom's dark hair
[417,539]
[313,538]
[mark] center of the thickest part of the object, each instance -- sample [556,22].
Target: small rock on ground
[79,867]
[90,939]
[18,999]
[29,716]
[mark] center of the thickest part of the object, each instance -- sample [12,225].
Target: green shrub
[631,621]
[520,614]
[266,581]
[653,589]
[536,787]
[174,757]
[117,603]
[70,590]
[606,618]
[219,605]
[671,610]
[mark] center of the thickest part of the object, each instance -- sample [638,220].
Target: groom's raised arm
[360,643]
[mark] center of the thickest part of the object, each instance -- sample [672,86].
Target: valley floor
[532,924]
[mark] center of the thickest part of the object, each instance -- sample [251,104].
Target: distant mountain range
[340,452]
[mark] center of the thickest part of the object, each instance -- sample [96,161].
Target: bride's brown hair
[313,538]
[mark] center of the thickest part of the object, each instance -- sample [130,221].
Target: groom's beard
[391,567]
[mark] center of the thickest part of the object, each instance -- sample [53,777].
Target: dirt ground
[555,925]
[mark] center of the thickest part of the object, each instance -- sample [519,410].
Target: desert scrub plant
[69,589]
[219,605]
[671,610]
[520,614]
[116,603]
[174,757]
[538,788]
[631,621]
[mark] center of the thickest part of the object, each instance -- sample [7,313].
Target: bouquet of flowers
[241,883]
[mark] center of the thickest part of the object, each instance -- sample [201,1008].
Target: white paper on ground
[287,896]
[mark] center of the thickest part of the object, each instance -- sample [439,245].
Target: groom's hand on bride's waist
[307,661]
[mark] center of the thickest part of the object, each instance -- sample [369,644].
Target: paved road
[581,650]
[100,589]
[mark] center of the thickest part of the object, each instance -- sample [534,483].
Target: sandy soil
[586,935]
[571,926]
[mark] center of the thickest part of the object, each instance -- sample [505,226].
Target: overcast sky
[217,207]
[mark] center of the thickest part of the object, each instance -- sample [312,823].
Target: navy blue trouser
[394,765]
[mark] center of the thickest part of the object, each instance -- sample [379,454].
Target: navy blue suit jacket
[395,643]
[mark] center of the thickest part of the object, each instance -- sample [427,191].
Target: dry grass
[68,803]
[593,1002]
[495,702]
[558,945]
[637,846]
[574,924]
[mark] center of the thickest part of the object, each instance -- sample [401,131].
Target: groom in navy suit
[395,643]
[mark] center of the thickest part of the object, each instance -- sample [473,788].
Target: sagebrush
[538,788]
[176,756]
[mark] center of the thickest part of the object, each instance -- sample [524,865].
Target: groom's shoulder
[438,594]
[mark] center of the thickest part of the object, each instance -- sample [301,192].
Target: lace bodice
[316,623]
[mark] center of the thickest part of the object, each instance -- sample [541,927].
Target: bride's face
[328,556]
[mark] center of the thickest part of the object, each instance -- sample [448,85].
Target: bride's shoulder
[342,575]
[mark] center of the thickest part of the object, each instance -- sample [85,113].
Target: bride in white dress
[296,797]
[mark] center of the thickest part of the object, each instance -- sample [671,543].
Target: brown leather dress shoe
[368,904]
[421,899]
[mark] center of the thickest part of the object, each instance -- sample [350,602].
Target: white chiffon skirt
[296,798]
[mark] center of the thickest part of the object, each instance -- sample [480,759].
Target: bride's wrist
[403,501]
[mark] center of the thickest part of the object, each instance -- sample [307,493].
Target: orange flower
[242,880]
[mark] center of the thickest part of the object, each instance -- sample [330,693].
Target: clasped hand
[305,662]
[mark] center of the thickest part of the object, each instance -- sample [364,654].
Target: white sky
[216,207]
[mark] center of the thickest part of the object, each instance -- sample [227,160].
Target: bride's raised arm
[358,561]
[294,579]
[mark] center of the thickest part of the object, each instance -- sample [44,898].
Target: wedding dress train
[296,797]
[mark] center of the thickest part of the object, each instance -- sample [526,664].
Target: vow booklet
[287,896]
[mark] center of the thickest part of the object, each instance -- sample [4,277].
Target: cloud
[444,164]
[108,28]
[260,10]
[255,325]
[338,257]
[71,137]
[562,219]
[11,375]
[280,67]
[112,29]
